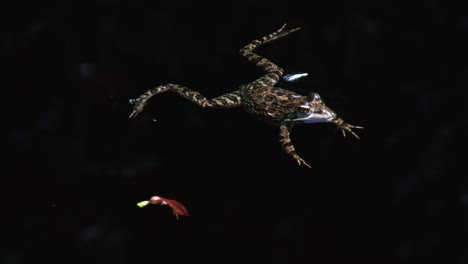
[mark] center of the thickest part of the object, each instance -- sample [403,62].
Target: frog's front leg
[343,126]
[228,100]
[287,145]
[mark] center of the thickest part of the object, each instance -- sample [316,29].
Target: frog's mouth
[322,115]
[316,119]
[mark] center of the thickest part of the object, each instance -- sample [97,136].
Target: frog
[263,98]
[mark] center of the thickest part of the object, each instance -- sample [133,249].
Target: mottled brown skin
[262,98]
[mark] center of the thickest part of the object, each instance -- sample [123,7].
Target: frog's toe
[300,161]
[349,128]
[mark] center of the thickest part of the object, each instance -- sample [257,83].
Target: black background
[77,165]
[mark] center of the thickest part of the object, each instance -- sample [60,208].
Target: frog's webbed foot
[345,127]
[139,104]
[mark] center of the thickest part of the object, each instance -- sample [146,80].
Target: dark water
[76,165]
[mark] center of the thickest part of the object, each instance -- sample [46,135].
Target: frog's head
[313,111]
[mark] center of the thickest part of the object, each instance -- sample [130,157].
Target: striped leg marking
[274,71]
[228,100]
[287,145]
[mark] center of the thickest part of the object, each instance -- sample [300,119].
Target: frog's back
[270,103]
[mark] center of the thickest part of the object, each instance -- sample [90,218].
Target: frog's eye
[303,110]
[315,97]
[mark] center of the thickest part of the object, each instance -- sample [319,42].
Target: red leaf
[177,208]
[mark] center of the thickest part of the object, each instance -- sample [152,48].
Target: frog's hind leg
[274,71]
[228,100]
